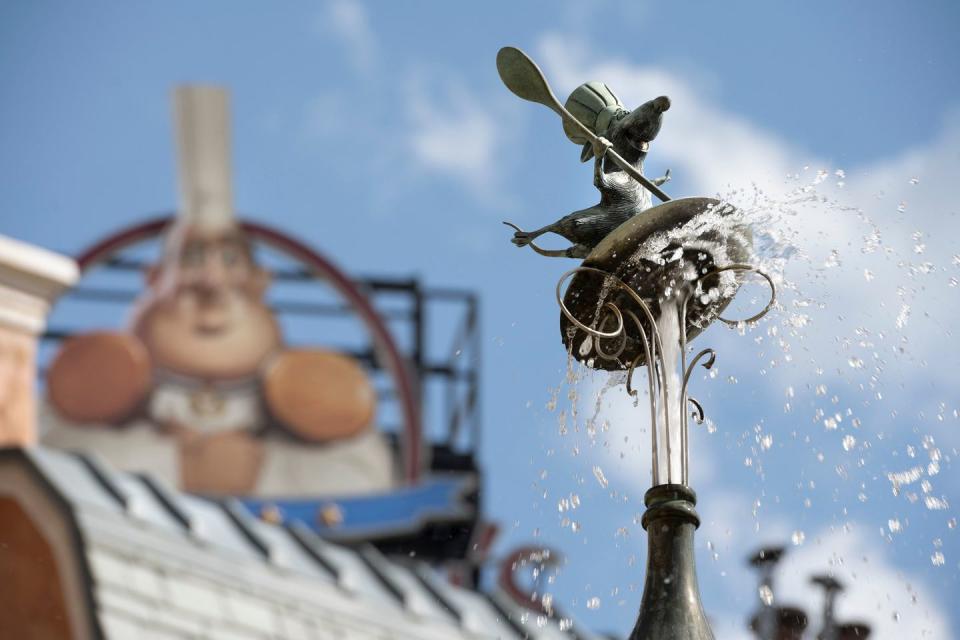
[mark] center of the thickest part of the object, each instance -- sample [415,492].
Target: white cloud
[894,602]
[349,22]
[864,285]
[452,134]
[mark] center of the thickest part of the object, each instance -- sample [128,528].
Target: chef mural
[199,389]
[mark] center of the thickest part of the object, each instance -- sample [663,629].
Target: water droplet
[766,595]
[766,442]
[952,523]
[849,442]
[902,207]
[586,346]
[867,275]
[565,624]
[855,362]
[593,603]
[798,537]
[894,525]
[903,316]
[937,559]
[914,180]
[935,504]
[602,479]
[896,616]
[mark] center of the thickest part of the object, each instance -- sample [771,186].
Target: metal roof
[183,566]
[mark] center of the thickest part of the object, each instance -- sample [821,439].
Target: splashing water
[669,456]
[840,366]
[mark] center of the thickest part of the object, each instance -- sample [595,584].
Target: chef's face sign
[206,316]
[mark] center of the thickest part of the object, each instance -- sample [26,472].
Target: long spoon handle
[525,79]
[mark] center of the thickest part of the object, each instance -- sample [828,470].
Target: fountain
[652,279]
[772,621]
[779,622]
[833,630]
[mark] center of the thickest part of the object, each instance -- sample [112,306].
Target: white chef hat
[202,119]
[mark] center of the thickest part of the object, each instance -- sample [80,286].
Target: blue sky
[380,133]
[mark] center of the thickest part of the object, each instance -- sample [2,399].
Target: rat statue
[201,390]
[629,133]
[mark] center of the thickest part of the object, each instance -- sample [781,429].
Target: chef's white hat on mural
[202,118]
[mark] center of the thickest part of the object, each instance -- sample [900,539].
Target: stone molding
[31,279]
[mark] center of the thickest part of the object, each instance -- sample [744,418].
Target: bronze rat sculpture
[621,197]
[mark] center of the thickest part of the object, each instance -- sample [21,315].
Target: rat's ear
[587,152]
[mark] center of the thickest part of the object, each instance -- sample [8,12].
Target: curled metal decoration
[698,414]
[619,351]
[687,371]
[651,375]
[653,352]
[608,305]
[750,269]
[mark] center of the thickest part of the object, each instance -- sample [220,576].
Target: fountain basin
[669,249]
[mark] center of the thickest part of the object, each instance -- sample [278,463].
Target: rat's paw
[663,179]
[600,147]
[521,238]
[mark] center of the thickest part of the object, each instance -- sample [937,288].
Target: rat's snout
[662,103]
